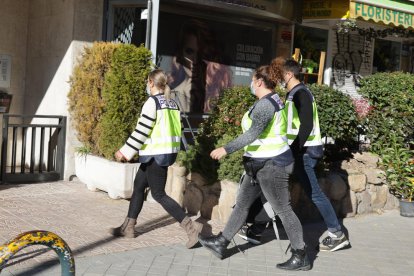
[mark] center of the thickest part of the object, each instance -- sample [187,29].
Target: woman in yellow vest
[268,161]
[156,138]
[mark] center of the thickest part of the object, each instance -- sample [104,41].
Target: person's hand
[218,153]
[120,157]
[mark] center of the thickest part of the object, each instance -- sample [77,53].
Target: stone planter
[357,186]
[117,179]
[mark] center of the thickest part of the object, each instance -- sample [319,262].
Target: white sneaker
[333,243]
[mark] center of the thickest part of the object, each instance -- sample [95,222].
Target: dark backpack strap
[296,89]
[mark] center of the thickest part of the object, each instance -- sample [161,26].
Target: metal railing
[34,151]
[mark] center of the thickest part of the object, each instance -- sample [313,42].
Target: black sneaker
[246,234]
[333,243]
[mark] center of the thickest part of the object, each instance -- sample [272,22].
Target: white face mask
[252,90]
[148,90]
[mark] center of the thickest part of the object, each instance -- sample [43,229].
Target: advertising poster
[202,57]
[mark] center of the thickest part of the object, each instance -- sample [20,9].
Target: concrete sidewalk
[380,244]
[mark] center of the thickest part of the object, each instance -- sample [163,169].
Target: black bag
[252,166]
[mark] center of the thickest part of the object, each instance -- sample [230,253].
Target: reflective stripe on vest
[293,122]
[272,141]
[165,137]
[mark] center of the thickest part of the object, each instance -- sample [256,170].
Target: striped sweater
[142,131]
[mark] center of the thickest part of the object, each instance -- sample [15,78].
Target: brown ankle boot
[192,228]
[127,229]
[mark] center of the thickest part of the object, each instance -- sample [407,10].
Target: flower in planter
[362,107]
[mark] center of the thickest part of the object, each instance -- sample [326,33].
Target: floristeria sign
[394,13]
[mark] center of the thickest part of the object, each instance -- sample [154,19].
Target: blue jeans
[305,172]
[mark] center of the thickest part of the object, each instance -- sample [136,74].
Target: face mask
[148,90]
[286,84]
[252,90]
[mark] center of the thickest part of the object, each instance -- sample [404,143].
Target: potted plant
[399,163]
[107,92]
[309,64]
[5,101]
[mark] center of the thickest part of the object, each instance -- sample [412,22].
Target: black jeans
[153,176]
[273,182]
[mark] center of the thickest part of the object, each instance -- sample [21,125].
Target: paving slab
[381,244]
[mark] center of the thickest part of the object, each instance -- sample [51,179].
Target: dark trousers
[305,172]
[155,177]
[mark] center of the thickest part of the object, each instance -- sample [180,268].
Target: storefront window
[202,56]
[386,56]
[310,41]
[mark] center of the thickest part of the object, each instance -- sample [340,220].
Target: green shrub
[230,167]
[107,92]
[85,96]
[337,116]
[222,126]
[123,94]
[398,161]
[392,97]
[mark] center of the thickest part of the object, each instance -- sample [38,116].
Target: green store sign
[395,15]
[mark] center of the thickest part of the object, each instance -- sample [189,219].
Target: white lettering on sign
[251,54]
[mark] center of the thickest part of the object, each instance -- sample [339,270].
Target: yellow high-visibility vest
[165,137]
[272,141]
[293,122]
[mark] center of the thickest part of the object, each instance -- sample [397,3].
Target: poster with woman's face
[202,57]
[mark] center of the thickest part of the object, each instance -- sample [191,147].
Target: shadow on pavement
[55,262]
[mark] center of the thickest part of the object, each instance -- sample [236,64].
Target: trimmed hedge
[107,92]
[123,95]
[337,115]
[391,96]
[85,96]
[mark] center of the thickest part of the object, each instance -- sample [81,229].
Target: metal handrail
[40,145]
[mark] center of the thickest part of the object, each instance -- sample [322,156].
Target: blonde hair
[160,81]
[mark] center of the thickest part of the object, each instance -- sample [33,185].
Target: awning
[288,11]
[388,12]
[395,13]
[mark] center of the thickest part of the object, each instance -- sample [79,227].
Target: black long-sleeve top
[303,102]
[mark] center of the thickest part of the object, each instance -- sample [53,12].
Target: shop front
[361,38]
[205,46]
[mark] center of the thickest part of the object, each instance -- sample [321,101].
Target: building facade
[374,36]
[203,45]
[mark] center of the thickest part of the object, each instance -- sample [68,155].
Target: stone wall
[356,187]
